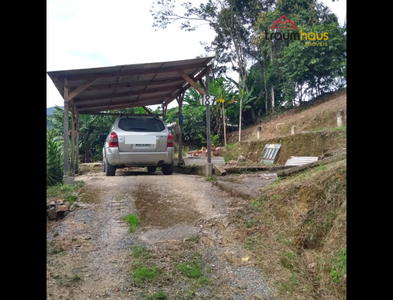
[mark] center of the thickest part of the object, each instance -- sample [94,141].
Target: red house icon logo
[283,24]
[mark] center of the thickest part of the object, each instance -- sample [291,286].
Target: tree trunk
[264,81]
[272,87]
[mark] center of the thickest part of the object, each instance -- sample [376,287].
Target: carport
[97,91]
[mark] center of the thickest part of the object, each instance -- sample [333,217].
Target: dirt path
[184,224]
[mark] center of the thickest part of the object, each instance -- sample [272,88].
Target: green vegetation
[142,274]
[158,295]
[63,191]
[54,156]
[140,251]
[339,265]
[303,223]
[192,268]
[52,248]
[132,220]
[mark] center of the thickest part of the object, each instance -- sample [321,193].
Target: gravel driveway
[183,219]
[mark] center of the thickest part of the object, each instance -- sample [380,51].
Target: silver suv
[140,141]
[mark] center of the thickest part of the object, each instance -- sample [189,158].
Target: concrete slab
[192,160]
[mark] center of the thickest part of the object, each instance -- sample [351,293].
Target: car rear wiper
[136,128]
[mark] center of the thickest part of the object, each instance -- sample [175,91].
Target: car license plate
[142,145]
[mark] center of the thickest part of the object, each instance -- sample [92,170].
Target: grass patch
[63,190]
[71,199]
[140,252]
[142,274]
[331,129]
[76,277]
[132,220]
[193,238]
[52,248]
[339,265]
[250,223]
[211,179]
[158,295]
[301,239]
[192,268]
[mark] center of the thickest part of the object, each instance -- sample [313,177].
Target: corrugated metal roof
[125,86]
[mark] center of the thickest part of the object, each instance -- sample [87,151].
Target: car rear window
[139,124]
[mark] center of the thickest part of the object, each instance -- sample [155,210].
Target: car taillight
[170,140]
[113,142]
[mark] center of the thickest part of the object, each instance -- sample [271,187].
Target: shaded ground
[184,225]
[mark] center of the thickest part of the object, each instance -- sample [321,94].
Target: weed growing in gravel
[71,199]
[211,179]
[192,268]
[158,295]
[139,251]
[53,249]
[76,277]
[250,223]
[256,205]
[142,274]
[339,265]
[132,220]
[55,234]
[193,238]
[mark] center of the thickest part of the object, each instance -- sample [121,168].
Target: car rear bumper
[139,159]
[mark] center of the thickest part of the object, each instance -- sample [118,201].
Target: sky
[101,33]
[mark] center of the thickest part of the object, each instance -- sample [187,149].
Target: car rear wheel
[167,169]
[109,169]
[151,169]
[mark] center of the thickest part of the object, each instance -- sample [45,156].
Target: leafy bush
[54,155]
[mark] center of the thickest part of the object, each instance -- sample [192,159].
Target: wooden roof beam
[81,88]
[192,82]
[120,105]
[133,84]
[127,94]
[147,110]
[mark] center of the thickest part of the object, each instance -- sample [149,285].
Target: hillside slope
[318,114]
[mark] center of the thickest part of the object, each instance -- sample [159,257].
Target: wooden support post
[65,142]
[164,107]
[180,102]
[259,132]
[77,142]
[73,139]
[209,155]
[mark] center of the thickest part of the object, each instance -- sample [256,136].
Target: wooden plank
[192,82]
[123,104]
[106,86]
[147,110]
[87,100]
[77,140]
[72,140]
[65,142]
[180,103]
[81,88]
[118,114]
